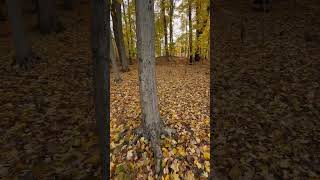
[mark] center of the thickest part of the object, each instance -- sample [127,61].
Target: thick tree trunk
[127,34]
[47,19]
[190,32]
[170,27]
[163,12]
[151,126]
[118,33]
[24,56]
[100,43]
[113,57]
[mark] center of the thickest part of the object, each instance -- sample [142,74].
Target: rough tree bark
[100,44]
[163,12]
[170,27]
[113,57]
[151,126]
[47,19]
[190,32]
[127,34]
[23,51]
[118,33]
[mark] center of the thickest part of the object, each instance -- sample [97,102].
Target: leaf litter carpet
[183,93]
[268,91]
[47,125]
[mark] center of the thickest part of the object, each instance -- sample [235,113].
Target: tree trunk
[118,33]
[47,19]
[197,53]
[24,56]
[190,32]
[130,30]
[100,42]
[151,126]
[113,57]
[127,34]
[68,4]
[163,12]
[170,27]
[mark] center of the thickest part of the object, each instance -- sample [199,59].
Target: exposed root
[26,62]
[168,131]
[117,80]
[154,136]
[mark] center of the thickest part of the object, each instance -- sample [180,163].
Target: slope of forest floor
[183,92]
[268,94]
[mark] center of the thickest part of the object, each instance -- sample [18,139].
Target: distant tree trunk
[113,57]
[170,27]
[163,12]
[24,56]
[130,30]
[127,34]
[197,53]
[190,32]
[186,37]
[47,19]
[151,125]
[118,33]
[68,4]
[100,42]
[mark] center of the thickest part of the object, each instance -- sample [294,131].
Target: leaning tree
[118,33]
[151,126]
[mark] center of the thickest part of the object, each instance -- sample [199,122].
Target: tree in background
[118,33]
[171,27]
[202,15]
[113,56]
[190,30]
[47,19]
[164,21]
[127,34]
[23,51]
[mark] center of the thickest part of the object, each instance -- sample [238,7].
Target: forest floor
[183,92]
[268,94]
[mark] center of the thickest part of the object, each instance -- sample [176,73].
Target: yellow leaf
[181,151]
[207,166]
[175,176]
[174,166]
[206,156]
[165,152]
[198,164]
[166,178]
[189,176]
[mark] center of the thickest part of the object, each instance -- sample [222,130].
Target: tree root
[26,62]
[153,134]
